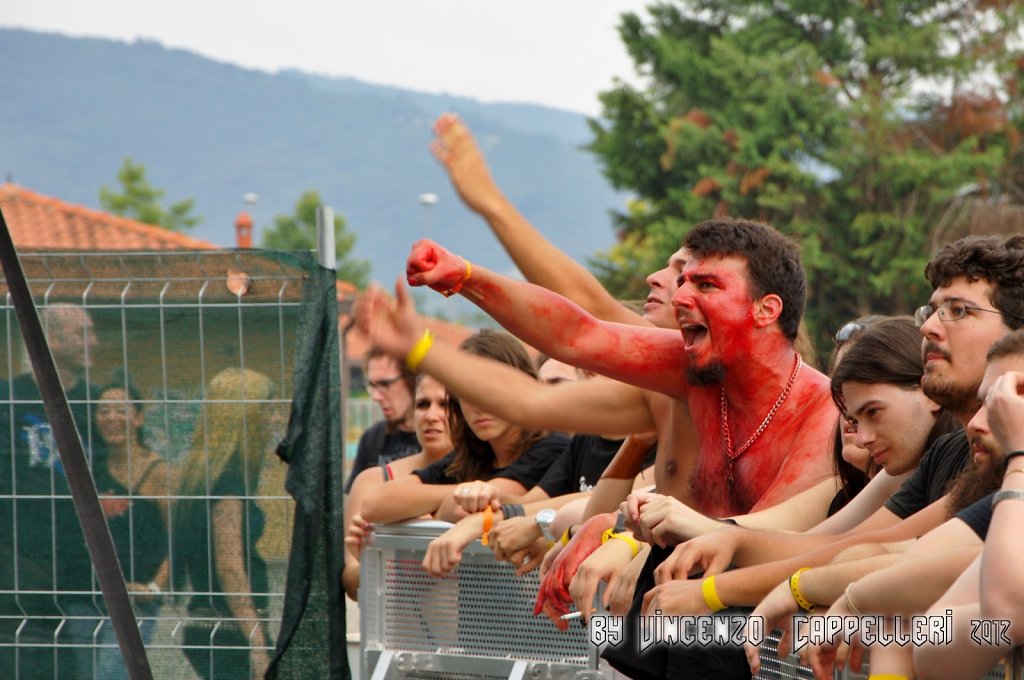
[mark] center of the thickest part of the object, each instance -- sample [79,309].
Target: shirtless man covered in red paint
[739,305]
[763,419]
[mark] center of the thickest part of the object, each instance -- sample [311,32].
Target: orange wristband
[488,523]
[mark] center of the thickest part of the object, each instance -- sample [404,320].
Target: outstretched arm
[540,261]
[650,358]
[594,406]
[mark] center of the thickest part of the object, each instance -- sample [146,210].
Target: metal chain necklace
[733,455]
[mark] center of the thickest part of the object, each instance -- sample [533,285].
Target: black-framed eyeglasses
[953,310]
[381,385]
[846,333]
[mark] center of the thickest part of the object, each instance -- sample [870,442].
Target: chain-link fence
[178,368]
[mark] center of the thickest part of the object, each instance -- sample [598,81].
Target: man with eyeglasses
[391,387]
[985,274]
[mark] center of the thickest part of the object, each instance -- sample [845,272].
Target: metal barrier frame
[381,658]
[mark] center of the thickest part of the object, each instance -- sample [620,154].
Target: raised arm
[650,358]
[540,261]
[594,406]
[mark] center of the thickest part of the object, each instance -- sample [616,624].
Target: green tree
[298,232]
[139,200]
[871,131]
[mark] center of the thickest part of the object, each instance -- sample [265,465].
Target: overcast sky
[555,52]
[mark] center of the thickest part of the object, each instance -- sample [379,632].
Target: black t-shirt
[378,446]
[942,462]
[582,464]
[527,469]
[50,549]
[978,515]
[196,552]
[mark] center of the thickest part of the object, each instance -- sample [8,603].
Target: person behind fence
[217,524]
[430,415]
[41,547]
[391,387]
[489,449]
[127,476]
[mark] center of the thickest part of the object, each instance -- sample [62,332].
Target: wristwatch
[544,519]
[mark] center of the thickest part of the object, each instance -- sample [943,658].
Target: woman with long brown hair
[493,459]
[217,523]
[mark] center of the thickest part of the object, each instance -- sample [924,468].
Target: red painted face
[715,313]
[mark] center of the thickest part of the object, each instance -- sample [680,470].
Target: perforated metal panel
[774,668]
[480,613]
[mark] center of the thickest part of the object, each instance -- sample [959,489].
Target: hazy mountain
[73,108]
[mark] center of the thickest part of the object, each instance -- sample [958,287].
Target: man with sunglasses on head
[391,387]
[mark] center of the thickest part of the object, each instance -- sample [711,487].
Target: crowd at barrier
[695,461]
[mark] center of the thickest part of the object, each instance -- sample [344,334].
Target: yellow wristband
[610,534]
[419,351]
[794,587]
[565,537]
[711,599]
[887,676]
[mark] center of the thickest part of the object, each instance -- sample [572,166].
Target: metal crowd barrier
[477,622]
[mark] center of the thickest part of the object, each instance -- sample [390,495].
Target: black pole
[72,457]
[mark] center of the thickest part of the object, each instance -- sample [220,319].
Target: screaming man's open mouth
[693,333]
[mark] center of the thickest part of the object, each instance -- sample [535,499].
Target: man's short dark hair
[773,262]
[408,377]
[997,259]
[1010,345]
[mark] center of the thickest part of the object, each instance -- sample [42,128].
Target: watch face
[545,516]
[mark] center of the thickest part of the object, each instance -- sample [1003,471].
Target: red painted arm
[646,357]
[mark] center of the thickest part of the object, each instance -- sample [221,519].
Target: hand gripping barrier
[477,622]
[775,668]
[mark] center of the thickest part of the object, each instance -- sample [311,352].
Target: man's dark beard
[973,484]
[949,396]
[705,376]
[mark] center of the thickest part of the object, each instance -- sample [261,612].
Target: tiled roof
[41,222]
[38,221]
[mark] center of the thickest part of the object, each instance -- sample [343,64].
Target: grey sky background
[555,52]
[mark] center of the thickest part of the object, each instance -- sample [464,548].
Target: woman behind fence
[217,524]
[127,477]
[430,417]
